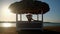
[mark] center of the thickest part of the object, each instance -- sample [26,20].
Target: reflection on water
[7,24]
[14,24]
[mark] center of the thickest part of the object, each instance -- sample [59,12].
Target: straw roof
[34,7]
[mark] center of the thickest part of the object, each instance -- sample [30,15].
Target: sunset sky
[52,16]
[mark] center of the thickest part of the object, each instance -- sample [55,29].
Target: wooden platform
[25,25]
[12,30]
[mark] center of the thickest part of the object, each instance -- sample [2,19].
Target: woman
[29,17]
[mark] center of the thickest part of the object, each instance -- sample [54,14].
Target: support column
[37,17]
[20,17]
[42,18]
[16,17]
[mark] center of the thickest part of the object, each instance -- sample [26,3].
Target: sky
[52,16]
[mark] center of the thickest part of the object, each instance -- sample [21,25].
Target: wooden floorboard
[12,30]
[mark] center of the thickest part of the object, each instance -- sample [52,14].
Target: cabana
[29,6]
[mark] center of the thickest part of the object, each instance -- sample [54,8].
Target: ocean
[14,24]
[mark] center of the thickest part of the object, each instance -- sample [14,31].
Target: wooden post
[42,16]
[16,17]
[42,19]
[20,17]
[16,20]
[37,17]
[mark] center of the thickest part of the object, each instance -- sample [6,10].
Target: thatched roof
[34,7]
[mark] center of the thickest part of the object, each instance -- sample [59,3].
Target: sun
[7,12]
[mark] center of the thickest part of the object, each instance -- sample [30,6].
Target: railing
[24,25]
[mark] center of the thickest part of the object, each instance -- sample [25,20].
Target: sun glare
[7,12]
[7,15]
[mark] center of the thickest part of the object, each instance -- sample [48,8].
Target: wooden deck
[12,30]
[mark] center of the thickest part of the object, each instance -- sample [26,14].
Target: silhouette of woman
[29,17]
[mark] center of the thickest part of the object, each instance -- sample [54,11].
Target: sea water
[14,24]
